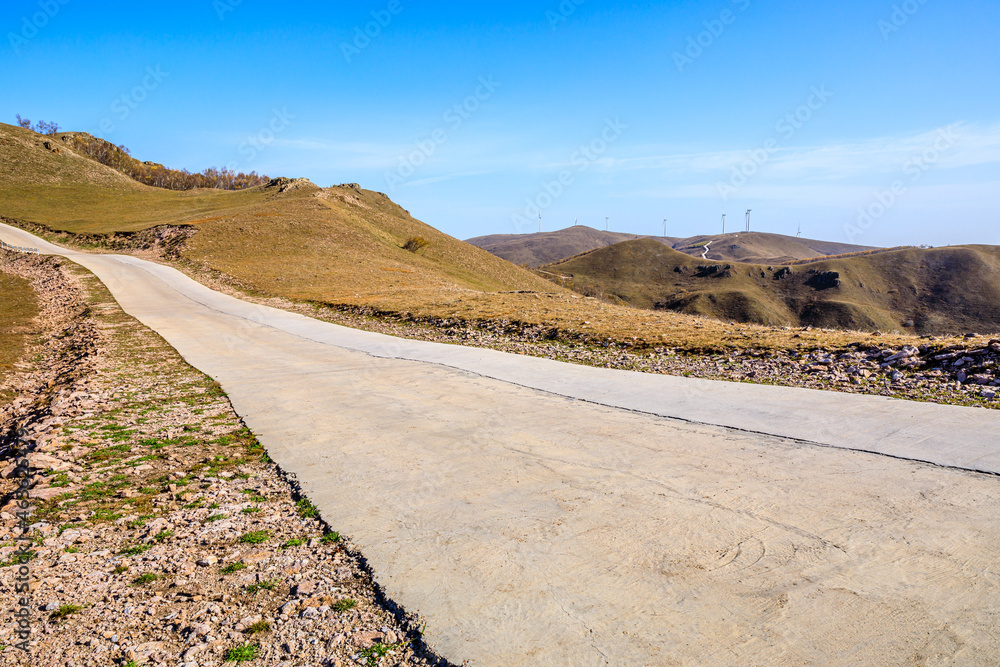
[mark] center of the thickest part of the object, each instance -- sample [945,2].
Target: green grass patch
[269,585]
[233,567]
[255,537]
[346,604]
[375,654]
[306,509]
[144,579]
[65,611]
[258,628]
[136,550]
[244,653]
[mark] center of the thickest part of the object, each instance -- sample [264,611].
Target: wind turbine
[664,228]
[539,223]
[607,224]
[749,211]
[723,223]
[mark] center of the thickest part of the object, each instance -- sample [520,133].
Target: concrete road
[538,513]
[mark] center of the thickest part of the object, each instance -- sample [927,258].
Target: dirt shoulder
[162,533]
[18,309]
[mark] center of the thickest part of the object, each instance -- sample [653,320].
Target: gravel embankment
[162,533]
[966,373]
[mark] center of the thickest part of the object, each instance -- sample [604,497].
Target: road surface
[539,513]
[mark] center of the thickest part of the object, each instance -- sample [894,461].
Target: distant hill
[289,238]
[762,248]
[950,290]
[535,250]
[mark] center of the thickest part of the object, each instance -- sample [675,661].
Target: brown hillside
[762,248]
[288,239]
[536,250]
[340,245]
[937,291]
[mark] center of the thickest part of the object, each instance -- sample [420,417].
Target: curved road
[539,513]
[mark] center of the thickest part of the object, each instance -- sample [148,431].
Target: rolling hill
[289,238]
[762,248]
[343,247]
[536,250]
[934,291]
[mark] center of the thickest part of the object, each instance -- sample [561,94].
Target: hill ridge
[951,290]
[537,249]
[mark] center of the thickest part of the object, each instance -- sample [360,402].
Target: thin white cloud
[960,145]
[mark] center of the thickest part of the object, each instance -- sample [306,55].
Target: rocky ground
[161,531]
[958,374]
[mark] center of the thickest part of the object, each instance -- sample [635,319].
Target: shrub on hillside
[415,243]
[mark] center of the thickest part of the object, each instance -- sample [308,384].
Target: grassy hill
[936,291]
[341,246]
[536,250]
[289,239]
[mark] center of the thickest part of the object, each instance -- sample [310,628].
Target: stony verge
[939,371]
[162,533]
[956,374]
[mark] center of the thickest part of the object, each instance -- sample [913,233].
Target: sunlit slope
[535,250]
[943,290]
[289,239]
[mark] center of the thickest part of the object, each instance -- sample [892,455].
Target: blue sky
[870,121]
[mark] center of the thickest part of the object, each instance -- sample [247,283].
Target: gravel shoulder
[162,533]
[947,371]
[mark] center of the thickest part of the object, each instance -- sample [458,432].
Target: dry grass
[18,307]
[344,246]
[938,291]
